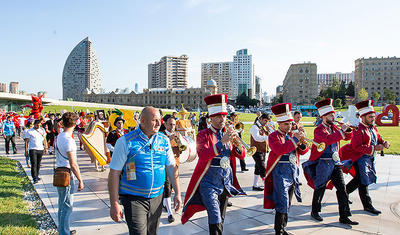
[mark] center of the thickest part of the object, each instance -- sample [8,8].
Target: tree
[337,103]
[363,94]
[243,99]
[376,96]
[342,91]
[350,90]
[389,96]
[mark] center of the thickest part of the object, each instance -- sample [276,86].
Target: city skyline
[38,37]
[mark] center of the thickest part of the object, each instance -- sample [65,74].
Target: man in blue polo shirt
[9,134]
[137,175]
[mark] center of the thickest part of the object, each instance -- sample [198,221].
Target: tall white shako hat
[365,107]
[216,104]
[325,107]
[282,112]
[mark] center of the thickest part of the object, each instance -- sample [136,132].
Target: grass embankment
[389,133]
[14,215]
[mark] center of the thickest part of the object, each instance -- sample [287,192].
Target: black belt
[216,162]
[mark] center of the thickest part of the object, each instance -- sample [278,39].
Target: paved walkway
[246,216]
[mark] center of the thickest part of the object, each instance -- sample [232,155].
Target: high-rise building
[377,74]
[242,74]
[169,72]
[136,87]
[3,87]
[300,86]
[14,87]
[279,90]
[258,90]
[221,73]
[325,80]
[81,71]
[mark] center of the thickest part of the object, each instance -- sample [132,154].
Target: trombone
[250,150]
[309,142]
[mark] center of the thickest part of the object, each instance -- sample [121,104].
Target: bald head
[150,121]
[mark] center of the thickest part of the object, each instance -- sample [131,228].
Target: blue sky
[37,36]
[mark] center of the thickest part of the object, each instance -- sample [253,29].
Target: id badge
[131,171]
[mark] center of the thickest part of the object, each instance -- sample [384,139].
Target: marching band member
[270,124]
[259,138]
[282,175]
[296,124]
[361,150]
[214,178]
[114,135]
[183,125]
[324,168]
[50,127]
[233,119]
[170,125]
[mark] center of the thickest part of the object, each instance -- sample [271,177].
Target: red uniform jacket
[360,145]
[322,134]
[279,146]
[206,149]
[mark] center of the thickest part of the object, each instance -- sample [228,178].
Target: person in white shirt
[29,125]
[21,121]
[36,144]
[65,147]
[259,138]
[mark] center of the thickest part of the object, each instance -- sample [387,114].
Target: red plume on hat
[325,107]
[365,107]
[216,104]
[282,112]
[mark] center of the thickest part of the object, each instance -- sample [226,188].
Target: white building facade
[81,71]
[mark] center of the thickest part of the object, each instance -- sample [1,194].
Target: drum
[190,152]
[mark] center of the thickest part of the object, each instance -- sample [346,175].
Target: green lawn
[14,215]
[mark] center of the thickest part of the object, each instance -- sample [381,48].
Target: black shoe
[171,218]
[347,221]
[35,181]
[245,169]
[316,216]
[286,233]
[372,210]
[15,152]
[350,201]
[72,232]
[258,188]
[229,204]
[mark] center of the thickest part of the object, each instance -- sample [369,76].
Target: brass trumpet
[309,142]
[239,127]
[250,150]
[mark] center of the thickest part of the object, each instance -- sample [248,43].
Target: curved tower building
[81,71]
